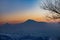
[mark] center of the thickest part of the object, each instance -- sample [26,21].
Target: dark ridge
[6,24]
[33,21]
[30,20]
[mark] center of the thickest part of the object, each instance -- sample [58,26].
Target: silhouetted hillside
[31,27]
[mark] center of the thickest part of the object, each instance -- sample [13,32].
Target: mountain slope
[31,27]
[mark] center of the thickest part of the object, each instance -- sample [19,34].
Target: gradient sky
[13,11]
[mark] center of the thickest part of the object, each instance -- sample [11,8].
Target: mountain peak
[29,20]
[6,24]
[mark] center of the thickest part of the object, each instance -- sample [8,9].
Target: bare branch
[53,6]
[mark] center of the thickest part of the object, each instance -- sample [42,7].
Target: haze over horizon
[17,11]
[29,19]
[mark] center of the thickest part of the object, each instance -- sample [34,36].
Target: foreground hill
[31,27]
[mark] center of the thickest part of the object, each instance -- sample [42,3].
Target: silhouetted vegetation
[53,6]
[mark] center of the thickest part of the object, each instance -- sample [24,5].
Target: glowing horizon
[20,11]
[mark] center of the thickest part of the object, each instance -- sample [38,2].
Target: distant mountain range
[32,27]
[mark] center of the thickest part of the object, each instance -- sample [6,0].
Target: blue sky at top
[16,5]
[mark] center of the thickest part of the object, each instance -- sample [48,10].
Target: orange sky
[34,13]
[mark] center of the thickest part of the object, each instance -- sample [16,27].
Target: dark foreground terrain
[28,37]
[30,30]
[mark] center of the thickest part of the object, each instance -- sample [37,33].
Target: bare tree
[53,6]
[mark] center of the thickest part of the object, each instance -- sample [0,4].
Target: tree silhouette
[53,6]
